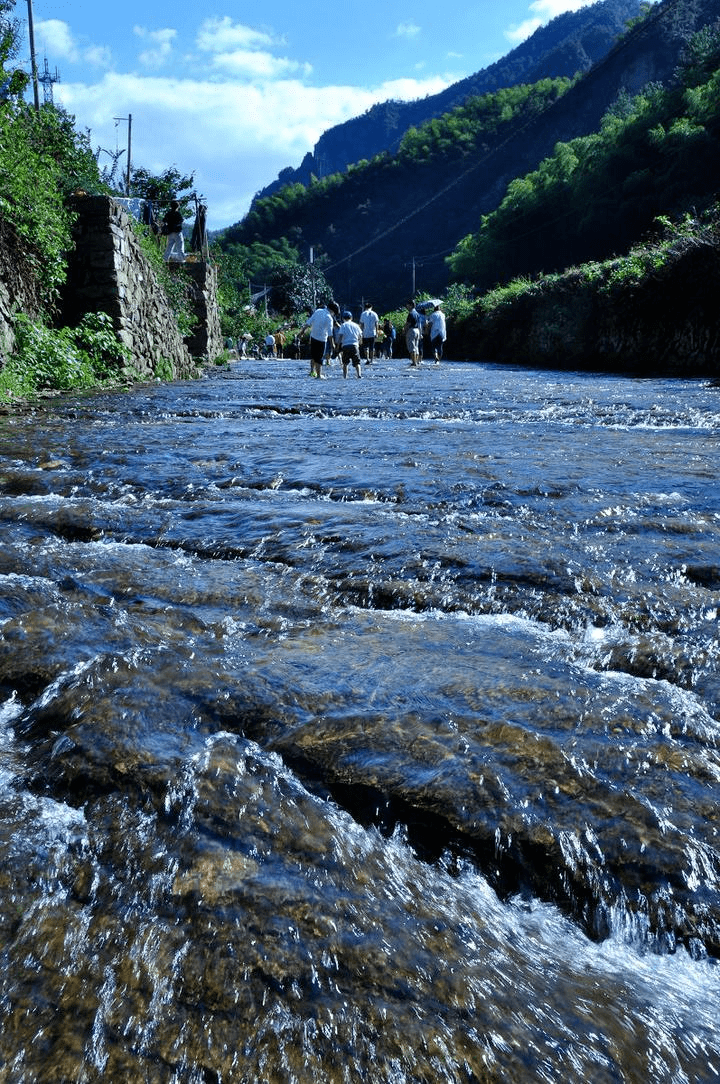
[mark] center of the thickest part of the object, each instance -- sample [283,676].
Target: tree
[298,287]
[12,82]
[654,153]
[162,187]
[42,160]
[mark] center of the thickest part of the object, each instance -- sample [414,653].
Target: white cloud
[222,35]
[234,137]
[516,34]
[407,30]
[250,64]
[548,9]
[99,56]
[544,11]
[241,52]
[55,37]
[160,45]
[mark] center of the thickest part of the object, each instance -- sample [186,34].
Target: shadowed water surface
[362,730]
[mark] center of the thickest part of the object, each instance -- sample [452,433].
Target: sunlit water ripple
[362,730]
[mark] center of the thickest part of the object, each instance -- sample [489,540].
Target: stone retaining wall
[666,324]
[109,272]
[206,340]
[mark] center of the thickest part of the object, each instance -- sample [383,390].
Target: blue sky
[234,92]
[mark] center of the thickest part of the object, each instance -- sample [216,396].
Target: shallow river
[362,730]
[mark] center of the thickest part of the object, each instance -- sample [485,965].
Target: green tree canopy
[162,187]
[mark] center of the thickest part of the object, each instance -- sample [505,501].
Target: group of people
[334,334]
[418,326]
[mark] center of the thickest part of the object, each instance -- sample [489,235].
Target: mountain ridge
[568,44]
[378,224]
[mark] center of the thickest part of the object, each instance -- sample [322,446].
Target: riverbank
[652,312]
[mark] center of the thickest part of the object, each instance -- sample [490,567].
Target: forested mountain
[387,226]
[654,158]
[569,44]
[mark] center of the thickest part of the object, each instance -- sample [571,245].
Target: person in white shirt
[349,336]
[321,325]
[412,333]
[438,333]
[369,322]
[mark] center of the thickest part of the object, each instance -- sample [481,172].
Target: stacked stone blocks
[109,272]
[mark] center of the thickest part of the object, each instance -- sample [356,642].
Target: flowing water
[362,730]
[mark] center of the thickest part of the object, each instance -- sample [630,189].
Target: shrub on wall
[176,287]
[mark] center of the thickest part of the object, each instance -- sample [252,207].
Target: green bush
[597,194]
[42,159]
[62,359]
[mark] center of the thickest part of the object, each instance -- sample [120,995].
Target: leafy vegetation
[44,160]
[467,129]
[651,310]
[175,286]
[642,261]
[293,285]
[654,153]
[162,187]
[62,358]
[442,142]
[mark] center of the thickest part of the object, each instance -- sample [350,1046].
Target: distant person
[412,333]
[389,333]
[321,325]
[172,228]
[350,336]
[438,333]
[369,322]
[424,334]
[270,345]
[149,217]
[335,348]
[332,349]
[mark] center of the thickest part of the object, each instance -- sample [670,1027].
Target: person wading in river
[321,325]
[438,333]
[412,333]
[349,337]
[369,322]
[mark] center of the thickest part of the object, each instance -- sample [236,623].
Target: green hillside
[567,45]
[386,227]
[654,154]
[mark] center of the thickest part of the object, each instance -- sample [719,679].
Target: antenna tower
[47,79]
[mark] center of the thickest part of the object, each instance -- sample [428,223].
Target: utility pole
[33,61]
[127,186]
[129,151]
[312,276]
